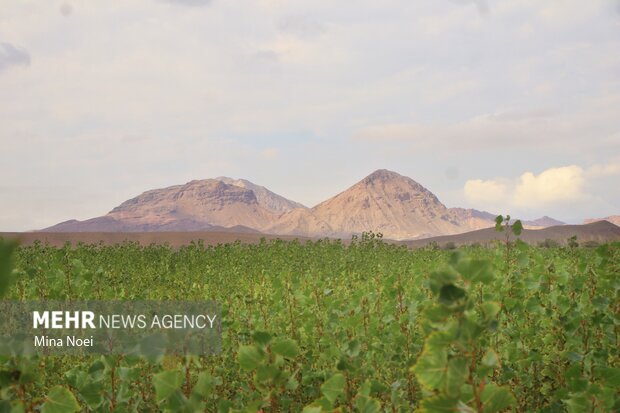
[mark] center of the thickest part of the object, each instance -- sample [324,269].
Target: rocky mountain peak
[269,200]
[382,175]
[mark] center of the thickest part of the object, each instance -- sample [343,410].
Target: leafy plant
[323,326]
[457,363]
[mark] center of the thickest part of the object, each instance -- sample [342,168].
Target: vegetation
[323,326]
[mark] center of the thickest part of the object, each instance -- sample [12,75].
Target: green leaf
[431,368]
[469,329]
[18,407]
[128,374]
[176,402]
[437,313]
[578,403]
[92,394]
[611,376]
[60,400]
[490,309]
[456,376]
[261,338]
[498,223]
[353,348]
[523,259]
[285,347]
[490,358]
[292,383]
[250,357]
[367,405]
[205,384]
[224,406]
[438,404]
[312,409]
[166,383]
[450,293]
[267,372]
[517,227]
[475,270]
[333,387]
[495,398]
[364,389]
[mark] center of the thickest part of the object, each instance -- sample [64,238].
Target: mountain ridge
[384,201]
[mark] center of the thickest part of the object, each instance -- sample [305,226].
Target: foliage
[324,326]
[6,265]
[549,243]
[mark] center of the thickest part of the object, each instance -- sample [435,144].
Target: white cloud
[553,185]
[601,170]
[485,192]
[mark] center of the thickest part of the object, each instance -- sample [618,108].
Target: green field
[322,326]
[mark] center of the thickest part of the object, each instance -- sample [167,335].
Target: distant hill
[543,222]
[614,219]
[601,231]
[384,201]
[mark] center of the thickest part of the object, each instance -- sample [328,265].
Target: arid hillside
[384,201]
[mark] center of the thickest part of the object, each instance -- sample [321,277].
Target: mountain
[543,222]
[198,205]
[269,200]
[614,219]
[472,218]
[302,221]
[384,201]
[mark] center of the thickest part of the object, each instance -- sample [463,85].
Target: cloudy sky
[508,105]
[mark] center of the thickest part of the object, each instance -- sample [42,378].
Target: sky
[509,106]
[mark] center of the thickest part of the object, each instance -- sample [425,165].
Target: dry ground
[601,231]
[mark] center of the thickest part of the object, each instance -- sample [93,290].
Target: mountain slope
[386,202]
[269,200]
[198,205]
[301,221]
[472,218]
